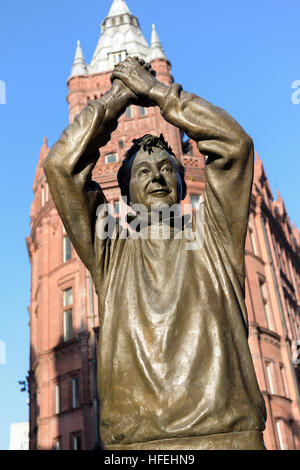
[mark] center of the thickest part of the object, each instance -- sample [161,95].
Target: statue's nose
[157,176]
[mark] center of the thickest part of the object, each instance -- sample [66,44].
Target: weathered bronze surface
[174,366]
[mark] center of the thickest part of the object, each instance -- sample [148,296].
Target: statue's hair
[146,143]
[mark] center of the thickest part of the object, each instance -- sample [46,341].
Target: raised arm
[229,151]
[70,163]
[229,162]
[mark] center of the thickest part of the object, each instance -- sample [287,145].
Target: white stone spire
[157,51]
[120,37]
[118,7]
[79,66]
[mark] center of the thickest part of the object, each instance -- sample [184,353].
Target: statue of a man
[174,366]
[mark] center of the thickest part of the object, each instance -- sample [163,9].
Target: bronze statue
[174,366]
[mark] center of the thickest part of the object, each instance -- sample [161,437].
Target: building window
[57,443]
[187,147]
[68,314]
[46,191]
[76,441]
[195,201]
[67,249]
[121,144]
[57,399]
[128,113]
[279,429]
[269,369]
[284,381]
[142,111]
[266,304]
[75,392]
[111,158]
[117,207]
[252,240]
[292,319]
[117,57]
[43,195]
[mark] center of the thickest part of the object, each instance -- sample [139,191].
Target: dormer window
[117,57]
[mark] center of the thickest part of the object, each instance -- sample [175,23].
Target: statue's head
[151,174]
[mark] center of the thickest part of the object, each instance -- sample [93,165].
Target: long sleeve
[69,168]
[229,165]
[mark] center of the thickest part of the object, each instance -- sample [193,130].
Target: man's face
[154,179]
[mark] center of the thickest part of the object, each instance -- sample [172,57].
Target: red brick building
[64,408]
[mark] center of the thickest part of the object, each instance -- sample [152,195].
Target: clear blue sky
[240,55]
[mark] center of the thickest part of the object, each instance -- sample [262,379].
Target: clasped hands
[134,79]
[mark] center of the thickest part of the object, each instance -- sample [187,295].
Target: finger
[117,74]
[131,59]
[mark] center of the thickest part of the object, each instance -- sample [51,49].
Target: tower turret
[120,36]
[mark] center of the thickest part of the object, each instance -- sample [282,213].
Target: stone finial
[79,66]
[118,7]
[157,51]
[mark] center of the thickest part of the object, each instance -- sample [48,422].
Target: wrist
[116,99]
[158,93]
